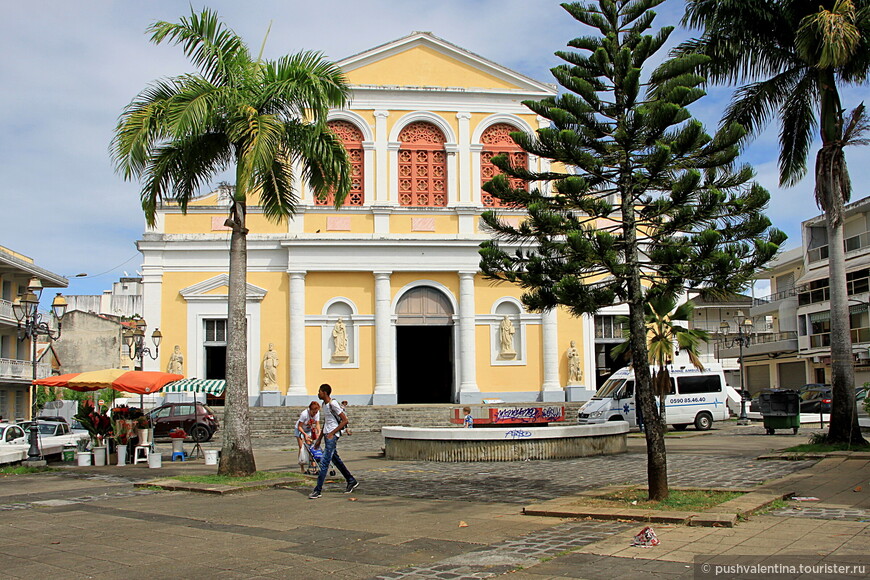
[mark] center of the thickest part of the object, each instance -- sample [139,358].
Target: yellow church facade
[382,298]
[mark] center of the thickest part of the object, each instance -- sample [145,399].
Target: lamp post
[743,338]
[31,326]
[134,338]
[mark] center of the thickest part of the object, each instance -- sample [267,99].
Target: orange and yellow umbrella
[139,382]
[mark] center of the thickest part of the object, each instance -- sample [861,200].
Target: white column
[465,183]
[452,178]
[476,150]
[385,387]
[468,389]
[369,171]
[551,390]
[297,394]
[382,173]
[391,195]
[152,305]
[544,163]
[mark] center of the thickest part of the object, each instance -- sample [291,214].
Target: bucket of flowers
[178,435]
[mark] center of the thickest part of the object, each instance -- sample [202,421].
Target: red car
[197,420]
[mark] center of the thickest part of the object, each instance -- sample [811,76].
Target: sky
[69,68]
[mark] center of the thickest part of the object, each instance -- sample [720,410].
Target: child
[469,420]
[347,430]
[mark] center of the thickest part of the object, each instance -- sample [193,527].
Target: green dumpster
[780,409]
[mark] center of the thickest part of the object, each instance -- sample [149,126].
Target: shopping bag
[303,456]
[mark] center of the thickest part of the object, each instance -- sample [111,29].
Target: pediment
[218,288]
[424,60]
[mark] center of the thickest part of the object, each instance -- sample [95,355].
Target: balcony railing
[858,242]
[773,337]
[6,310]
[774,297]
[824,339]
[11,368]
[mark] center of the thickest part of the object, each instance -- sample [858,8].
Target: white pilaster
[468,389]
[452,181]
[391,195]
[465,183]
[475,150]
[385,387]
[296,392]
[382,173]
[590,368]
[551,390]
[369,171]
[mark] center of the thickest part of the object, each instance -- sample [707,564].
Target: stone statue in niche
[339,341]
[270,369]
[506,333]
[575,373]
[176,362]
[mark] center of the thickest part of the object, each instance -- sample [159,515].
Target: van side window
[696,385]
[628,390]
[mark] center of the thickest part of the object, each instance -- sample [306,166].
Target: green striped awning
[210,386]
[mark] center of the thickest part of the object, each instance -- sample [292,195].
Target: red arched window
[352,138]
[422,166]
[497,140]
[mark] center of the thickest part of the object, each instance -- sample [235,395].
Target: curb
[218,488]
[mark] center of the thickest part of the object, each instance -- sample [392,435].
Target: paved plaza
[421,520]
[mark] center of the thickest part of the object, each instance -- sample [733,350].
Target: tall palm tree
[792,57]
[664,336]
[264,118]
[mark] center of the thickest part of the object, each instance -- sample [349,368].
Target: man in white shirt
[334,420]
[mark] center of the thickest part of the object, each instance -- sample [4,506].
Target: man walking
[334,420]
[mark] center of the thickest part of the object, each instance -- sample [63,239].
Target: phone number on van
[688,400]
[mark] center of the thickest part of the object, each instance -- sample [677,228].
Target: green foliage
[8,470]
[232,480]
[650,193]
[96,423]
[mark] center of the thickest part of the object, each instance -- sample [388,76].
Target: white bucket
[100,455]
[83,458]
[155,461]
[211,456]
[122,454]
[177,445]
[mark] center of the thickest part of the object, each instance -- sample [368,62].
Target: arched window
[496,140]
[422,166]
[352,138]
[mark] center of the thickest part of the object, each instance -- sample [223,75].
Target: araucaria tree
[793,56]
[648,202]
[266,119]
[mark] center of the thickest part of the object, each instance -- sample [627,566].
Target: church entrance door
[424,347]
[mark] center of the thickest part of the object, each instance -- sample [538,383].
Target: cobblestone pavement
[523,482]
[823,513]
[508,555]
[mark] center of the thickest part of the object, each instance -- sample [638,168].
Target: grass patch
[23,470]
[229,480]
[775,505]
[824,448]
[678,500]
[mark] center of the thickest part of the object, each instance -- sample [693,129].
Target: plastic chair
[141,453]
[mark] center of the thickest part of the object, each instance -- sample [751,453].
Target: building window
[352,138]
[497,140]
[608,327]
[422,166]
[215,347]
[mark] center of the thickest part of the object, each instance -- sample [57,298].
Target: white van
[697,397]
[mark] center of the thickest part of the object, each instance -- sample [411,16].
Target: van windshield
[609,387]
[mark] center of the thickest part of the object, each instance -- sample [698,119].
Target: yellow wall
[571,328]
[444,224]
[359,223]
[449,279]
[424,66]
[344,381]
[320,287]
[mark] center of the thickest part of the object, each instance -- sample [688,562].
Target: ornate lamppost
[31,326]
[742,339]
[134,338]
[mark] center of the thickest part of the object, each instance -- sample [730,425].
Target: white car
[11,433]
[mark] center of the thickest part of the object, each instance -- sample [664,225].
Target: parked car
[197,420]
[815,399]
[56,418]
[10,433]
[52,428]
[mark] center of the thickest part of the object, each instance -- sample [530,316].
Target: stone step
[279,421]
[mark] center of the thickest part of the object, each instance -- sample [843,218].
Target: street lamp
[744,328]
[31,326]
[134,338]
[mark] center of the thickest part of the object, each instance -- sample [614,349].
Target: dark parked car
[815,399]
[197,420]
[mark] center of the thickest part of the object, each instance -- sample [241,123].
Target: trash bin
[780,409]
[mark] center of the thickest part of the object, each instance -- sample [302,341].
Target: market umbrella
[139,382]
[210,386]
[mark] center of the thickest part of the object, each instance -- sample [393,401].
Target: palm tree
[792,56]
[664,336]
[264,118]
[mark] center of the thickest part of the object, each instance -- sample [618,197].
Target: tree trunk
[843,427]
[656,454]
[237,455]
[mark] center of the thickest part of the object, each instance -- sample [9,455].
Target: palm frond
[798,123]
[324,161]
[304,85]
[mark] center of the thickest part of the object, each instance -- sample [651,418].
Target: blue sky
[70,67]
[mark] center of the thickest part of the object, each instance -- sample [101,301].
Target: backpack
[337,418]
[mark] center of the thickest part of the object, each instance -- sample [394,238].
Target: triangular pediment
[424,60]
[218,288]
